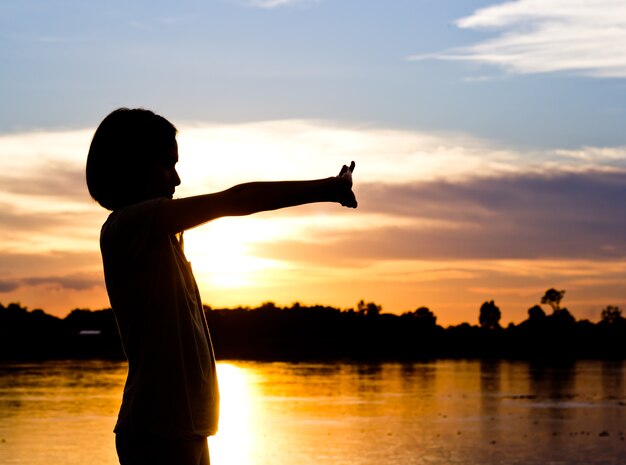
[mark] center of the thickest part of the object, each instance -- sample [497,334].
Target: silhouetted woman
[171,398]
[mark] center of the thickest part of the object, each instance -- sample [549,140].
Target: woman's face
[163,177]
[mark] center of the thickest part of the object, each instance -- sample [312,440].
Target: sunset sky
[488,137]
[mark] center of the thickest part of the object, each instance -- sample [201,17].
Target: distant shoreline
[322,333]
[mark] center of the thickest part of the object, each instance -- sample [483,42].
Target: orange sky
[444,220]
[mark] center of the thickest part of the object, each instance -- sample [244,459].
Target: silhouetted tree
[296,306]
[612,314]
[489,316]
[536,313]
[369,309]
[553,298]
[270,332]
[424,316]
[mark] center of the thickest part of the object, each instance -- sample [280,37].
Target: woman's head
[128,153]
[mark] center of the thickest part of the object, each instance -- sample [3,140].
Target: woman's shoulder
[133,222]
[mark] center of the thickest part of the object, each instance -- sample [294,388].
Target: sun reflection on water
[233,444]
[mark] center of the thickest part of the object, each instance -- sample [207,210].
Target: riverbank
[300,333]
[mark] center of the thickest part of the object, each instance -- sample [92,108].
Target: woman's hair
[125,146]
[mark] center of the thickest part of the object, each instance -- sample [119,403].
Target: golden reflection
[440,413]
[234,442]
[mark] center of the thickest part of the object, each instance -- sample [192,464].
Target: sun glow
[220,253]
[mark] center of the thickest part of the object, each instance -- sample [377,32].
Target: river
[440,413]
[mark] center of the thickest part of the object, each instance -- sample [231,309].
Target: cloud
[527,216]
[73,282]
[52,179]
[272,150]
[16,266]
[411,185]
[595,196]
[76,283]
[543,36]
[8,285]
[44,164]
[20,264]
[43,231]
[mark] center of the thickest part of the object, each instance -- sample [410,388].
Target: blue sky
[488,135]
[66,63]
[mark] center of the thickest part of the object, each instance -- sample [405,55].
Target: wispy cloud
[567,216]
[543,36]
[56,179]
[17,266]
[78,282]
[8,285]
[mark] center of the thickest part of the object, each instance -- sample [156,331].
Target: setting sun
[220,253]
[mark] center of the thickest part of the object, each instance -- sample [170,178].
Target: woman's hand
[345,196]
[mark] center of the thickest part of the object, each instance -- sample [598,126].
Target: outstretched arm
[177,215]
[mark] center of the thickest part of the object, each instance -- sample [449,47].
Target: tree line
[300,332]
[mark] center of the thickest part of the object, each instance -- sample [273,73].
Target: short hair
[123,147]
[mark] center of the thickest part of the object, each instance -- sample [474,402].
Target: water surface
[443,412]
